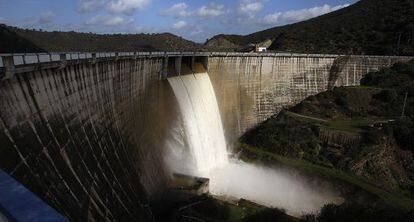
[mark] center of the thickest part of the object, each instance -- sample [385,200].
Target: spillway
[198,148]
[201,122]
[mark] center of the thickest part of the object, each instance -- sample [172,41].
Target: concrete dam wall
[78,136]
[86,132]
[251,89]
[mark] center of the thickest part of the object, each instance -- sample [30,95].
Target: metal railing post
[63,60]
[8,62]
[94,58]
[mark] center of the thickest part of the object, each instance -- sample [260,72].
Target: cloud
[110,21]
[180,10]
[180,25]
[197,32]
[246,11]
[90,5]
[127,7]
[114,21]
[177,10]
[3,20]
[249,8]
[272,19]
[46,17]
[298,15]
[188,29]
[211,11]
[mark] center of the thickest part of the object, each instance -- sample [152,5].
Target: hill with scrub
[18,40]
[375,27]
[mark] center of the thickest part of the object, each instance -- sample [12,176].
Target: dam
[87,132]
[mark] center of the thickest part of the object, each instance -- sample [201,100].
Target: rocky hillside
[365,130]
[24,40]
[222,43]
[380,27]
[11,42]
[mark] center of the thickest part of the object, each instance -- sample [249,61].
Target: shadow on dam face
[89,137]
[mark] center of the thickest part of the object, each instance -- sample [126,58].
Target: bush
[269,215]
[351,212]
[388,95]
[211,209]
[403,133]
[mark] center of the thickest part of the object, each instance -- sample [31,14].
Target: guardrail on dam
[84,131]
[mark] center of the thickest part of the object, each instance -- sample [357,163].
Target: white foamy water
[268,187]
[203,130]
[197,147]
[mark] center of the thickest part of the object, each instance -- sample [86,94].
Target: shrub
[403,133]
[352,212]
[269,215]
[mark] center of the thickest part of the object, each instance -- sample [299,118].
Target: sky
[196,20]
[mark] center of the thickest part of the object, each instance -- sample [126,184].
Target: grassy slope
[367,27]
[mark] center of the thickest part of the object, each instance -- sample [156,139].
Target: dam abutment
[85,131]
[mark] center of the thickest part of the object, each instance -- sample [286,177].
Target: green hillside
[380,27]
[27,40]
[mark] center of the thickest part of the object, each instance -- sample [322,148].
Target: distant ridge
[15,40]
[380,27]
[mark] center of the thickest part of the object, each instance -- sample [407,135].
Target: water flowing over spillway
[198,147]
[201,120]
